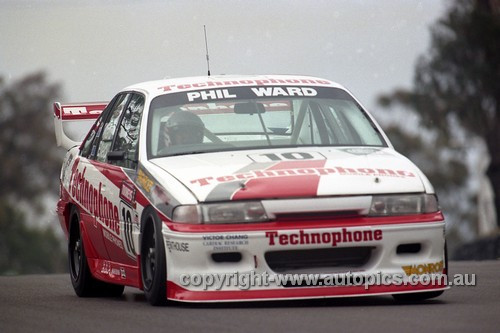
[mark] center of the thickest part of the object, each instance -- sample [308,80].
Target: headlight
[387,205]
[230,212]
[187,214]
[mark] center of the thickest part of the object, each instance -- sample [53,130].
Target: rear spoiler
[84,114]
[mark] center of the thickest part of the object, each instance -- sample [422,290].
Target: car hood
[300,172]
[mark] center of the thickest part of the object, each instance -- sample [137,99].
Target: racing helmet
[183,128]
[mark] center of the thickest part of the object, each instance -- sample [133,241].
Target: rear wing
[73,121]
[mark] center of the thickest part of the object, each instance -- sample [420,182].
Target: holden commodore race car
[187,187]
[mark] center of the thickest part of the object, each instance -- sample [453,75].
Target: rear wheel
[83,282]
[153,261]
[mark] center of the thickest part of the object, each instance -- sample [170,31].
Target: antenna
[206,47]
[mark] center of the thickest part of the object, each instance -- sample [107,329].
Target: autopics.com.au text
[245,281]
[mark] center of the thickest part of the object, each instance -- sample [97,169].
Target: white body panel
[254,245]
[367,171]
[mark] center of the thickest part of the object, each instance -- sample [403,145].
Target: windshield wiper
[264,128]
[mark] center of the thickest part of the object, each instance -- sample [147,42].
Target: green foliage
[442,172]
[457,84]
[25,250]
[460,74]
[448,173]
[30,164]
[29,160]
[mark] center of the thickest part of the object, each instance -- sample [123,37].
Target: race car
[187,187]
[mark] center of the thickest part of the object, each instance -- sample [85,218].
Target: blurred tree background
[455,101]
[30,164]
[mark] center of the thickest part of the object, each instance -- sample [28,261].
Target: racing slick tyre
[153,262]
[416,297]
[84,284]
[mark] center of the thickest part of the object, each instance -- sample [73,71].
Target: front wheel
[153,260]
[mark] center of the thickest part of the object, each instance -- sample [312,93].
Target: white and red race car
[188,187]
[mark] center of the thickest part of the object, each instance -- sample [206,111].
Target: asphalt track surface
[47,303]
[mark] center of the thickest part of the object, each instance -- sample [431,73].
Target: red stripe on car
[277,184]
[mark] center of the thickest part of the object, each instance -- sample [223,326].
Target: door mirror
[118,155]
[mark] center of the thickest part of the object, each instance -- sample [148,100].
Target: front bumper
[401,249]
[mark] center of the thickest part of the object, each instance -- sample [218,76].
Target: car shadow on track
[332,302]
[133,296]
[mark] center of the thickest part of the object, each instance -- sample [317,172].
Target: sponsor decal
[260,82]
[144,181]
[115,272]
[82,112]
[283,91]
[428,268]
[217,94]
[318,171]
[112,238]
[228,242]
[105,268]
[92,199]
[333,238]
[177,246]
[209,95]
[127,193]
[109,270]
[237,93]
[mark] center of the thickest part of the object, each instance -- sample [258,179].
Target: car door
[107,184]
[122,166]
[116,159]
[92,180]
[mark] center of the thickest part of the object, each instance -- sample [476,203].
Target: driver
[183,128]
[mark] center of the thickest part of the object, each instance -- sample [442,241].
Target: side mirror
[116,155]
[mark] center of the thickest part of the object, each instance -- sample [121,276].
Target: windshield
[256,117]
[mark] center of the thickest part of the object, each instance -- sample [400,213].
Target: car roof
[174,85]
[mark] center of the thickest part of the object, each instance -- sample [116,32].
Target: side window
[128,132]
[108,132]
[90,142]
[87,144]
